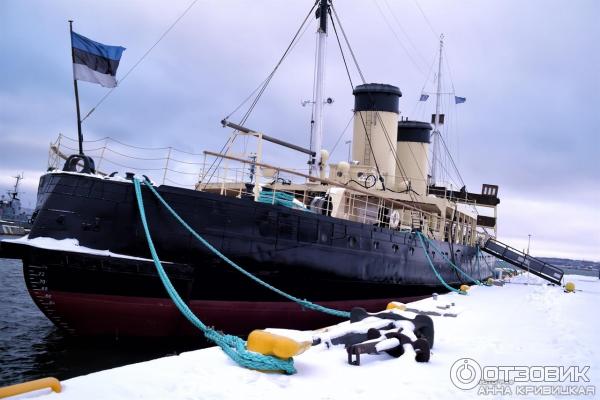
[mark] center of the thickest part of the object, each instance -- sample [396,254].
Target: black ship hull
[107,284]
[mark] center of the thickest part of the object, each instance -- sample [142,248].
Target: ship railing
[164,165]
[240,176]
[319,195]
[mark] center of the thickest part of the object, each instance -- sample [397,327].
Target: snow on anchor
[365,333]
[273,350]
[387,331]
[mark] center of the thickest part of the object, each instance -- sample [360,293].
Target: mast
[15,191]
[79,134]
[316,138]
[436,120]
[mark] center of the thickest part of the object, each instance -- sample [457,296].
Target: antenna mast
[436,120]
[15,191]
[316,138]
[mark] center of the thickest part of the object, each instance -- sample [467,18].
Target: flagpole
[80,135]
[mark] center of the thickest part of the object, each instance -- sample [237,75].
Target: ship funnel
[412,150]
[375,126]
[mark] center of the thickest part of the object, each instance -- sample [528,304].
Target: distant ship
[13,219]
[343,235]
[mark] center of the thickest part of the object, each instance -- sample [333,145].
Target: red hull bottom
[91,314]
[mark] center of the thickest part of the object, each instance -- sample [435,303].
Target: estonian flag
[95,62]
[424,97]
[458,100]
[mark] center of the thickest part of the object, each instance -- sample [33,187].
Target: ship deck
[515,325]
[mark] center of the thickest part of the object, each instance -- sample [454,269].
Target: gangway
[523,261]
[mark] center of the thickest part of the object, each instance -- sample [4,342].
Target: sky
[529,70]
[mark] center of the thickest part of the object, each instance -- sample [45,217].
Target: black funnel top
[376,97]
[414,131]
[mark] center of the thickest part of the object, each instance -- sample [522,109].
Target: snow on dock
[516,325]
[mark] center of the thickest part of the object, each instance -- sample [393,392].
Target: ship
[379,227]
[14,220]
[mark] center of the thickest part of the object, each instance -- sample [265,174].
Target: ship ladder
[522,260]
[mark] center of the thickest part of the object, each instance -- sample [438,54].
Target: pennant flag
[424,97]
[95,62]
[458,100]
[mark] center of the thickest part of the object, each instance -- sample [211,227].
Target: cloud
[558,229]
[526,68]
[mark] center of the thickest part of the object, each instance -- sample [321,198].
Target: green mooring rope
[484,260]
[450,262]
[303,302]
[233,346]
[435,271]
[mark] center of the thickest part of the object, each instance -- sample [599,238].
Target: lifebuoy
[394,219]
[73,160]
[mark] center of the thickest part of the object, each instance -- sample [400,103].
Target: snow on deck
[513,325]
[71,245]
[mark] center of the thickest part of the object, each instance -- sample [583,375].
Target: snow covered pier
[512,332]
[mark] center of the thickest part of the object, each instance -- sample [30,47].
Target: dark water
[31,347]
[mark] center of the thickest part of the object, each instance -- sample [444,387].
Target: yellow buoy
[396,305]
[464,288]
[30,386]
[490,281]
[570,287]
[270,344]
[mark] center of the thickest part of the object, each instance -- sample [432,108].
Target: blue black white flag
[95,62]
[458,100]
[424,97]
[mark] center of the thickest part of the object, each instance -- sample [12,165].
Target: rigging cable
[341,135]
[417,51]
[397,161]
[426,19]
[262,89]
[362,77]
[227,146]
[447,63]
[458,172]
[410,57]
[424,85]
[451,160]
[352,85]
[165,33]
